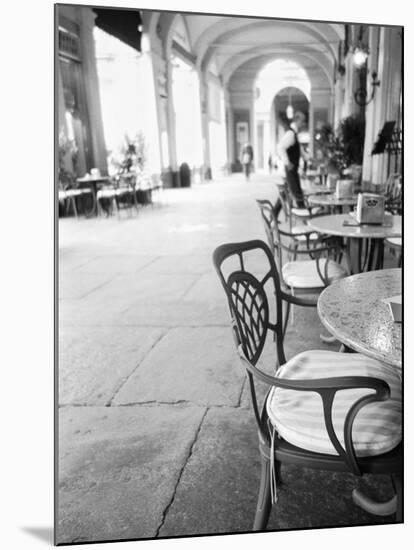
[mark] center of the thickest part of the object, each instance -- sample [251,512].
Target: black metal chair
[286,203]
[306,418]
[69,194]
[119,193]
[393,194]
[311,275]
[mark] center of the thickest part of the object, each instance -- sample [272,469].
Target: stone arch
[225,32]
[257,62]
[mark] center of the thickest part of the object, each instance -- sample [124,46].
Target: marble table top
[352,309]
[332,200]
[334,225]
[311,188]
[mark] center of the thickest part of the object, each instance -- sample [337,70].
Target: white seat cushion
[73,192]
[106,193]
[304,274]
[298,416]
[310,236]
[304,212]
[394,241]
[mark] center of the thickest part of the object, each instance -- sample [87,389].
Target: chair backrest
[271,227]
[393,192]
[248,274]
[285,200]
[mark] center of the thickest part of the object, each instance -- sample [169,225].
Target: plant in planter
[67,155]
[345,147]
[131,156]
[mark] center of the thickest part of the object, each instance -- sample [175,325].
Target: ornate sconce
[360,57]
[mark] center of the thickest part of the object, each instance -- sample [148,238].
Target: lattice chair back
[248,274]
[272,232]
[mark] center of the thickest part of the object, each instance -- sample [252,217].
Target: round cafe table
[352,309]
[311,188]
[93,183]
[332,201]
[364,243]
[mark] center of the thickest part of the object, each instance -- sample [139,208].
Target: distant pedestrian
[247,159]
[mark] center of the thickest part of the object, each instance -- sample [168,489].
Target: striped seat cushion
[298,416]
[304,212]
[304,274]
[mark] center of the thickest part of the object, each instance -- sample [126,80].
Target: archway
[279,84]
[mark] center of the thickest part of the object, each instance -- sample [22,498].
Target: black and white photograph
[228,257]
[229,274]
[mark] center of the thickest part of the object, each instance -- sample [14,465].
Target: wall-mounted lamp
[361,94]
[360,58]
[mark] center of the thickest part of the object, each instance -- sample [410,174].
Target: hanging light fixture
[289,108]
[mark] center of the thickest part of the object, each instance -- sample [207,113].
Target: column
[387,97]
[87,22]
[370,111]
[230,133]
[311,127]
[204,107]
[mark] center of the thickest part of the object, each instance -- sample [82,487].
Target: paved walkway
[156,435]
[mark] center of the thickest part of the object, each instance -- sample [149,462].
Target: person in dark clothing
[247,159]
[289,151]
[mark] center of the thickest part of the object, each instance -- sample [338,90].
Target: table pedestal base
[365,254]
[373,507]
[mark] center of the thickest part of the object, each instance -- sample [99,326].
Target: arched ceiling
[237,45]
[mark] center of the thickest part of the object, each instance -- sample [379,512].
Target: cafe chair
[305,276]
[339,412]
[293,214]
[393,194]
[125,193]
[69,195]
[395,244]
[118,195]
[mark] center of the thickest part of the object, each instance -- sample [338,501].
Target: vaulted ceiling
[239,47]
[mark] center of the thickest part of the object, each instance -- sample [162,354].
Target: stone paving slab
[187,264]
[69,259]
[147,288]
[207,289]
[94,310]
[218,489]
[78,285]
[176,314]
[118,468]
[94,363]
[116,264]
[189,364]
[219,486]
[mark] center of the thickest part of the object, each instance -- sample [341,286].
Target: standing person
[289,151]
[247,159]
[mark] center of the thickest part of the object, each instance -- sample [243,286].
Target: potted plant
[343,151]
[67,155]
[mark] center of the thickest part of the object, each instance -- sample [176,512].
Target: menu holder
[344,189]
[370,209]
[395,305]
